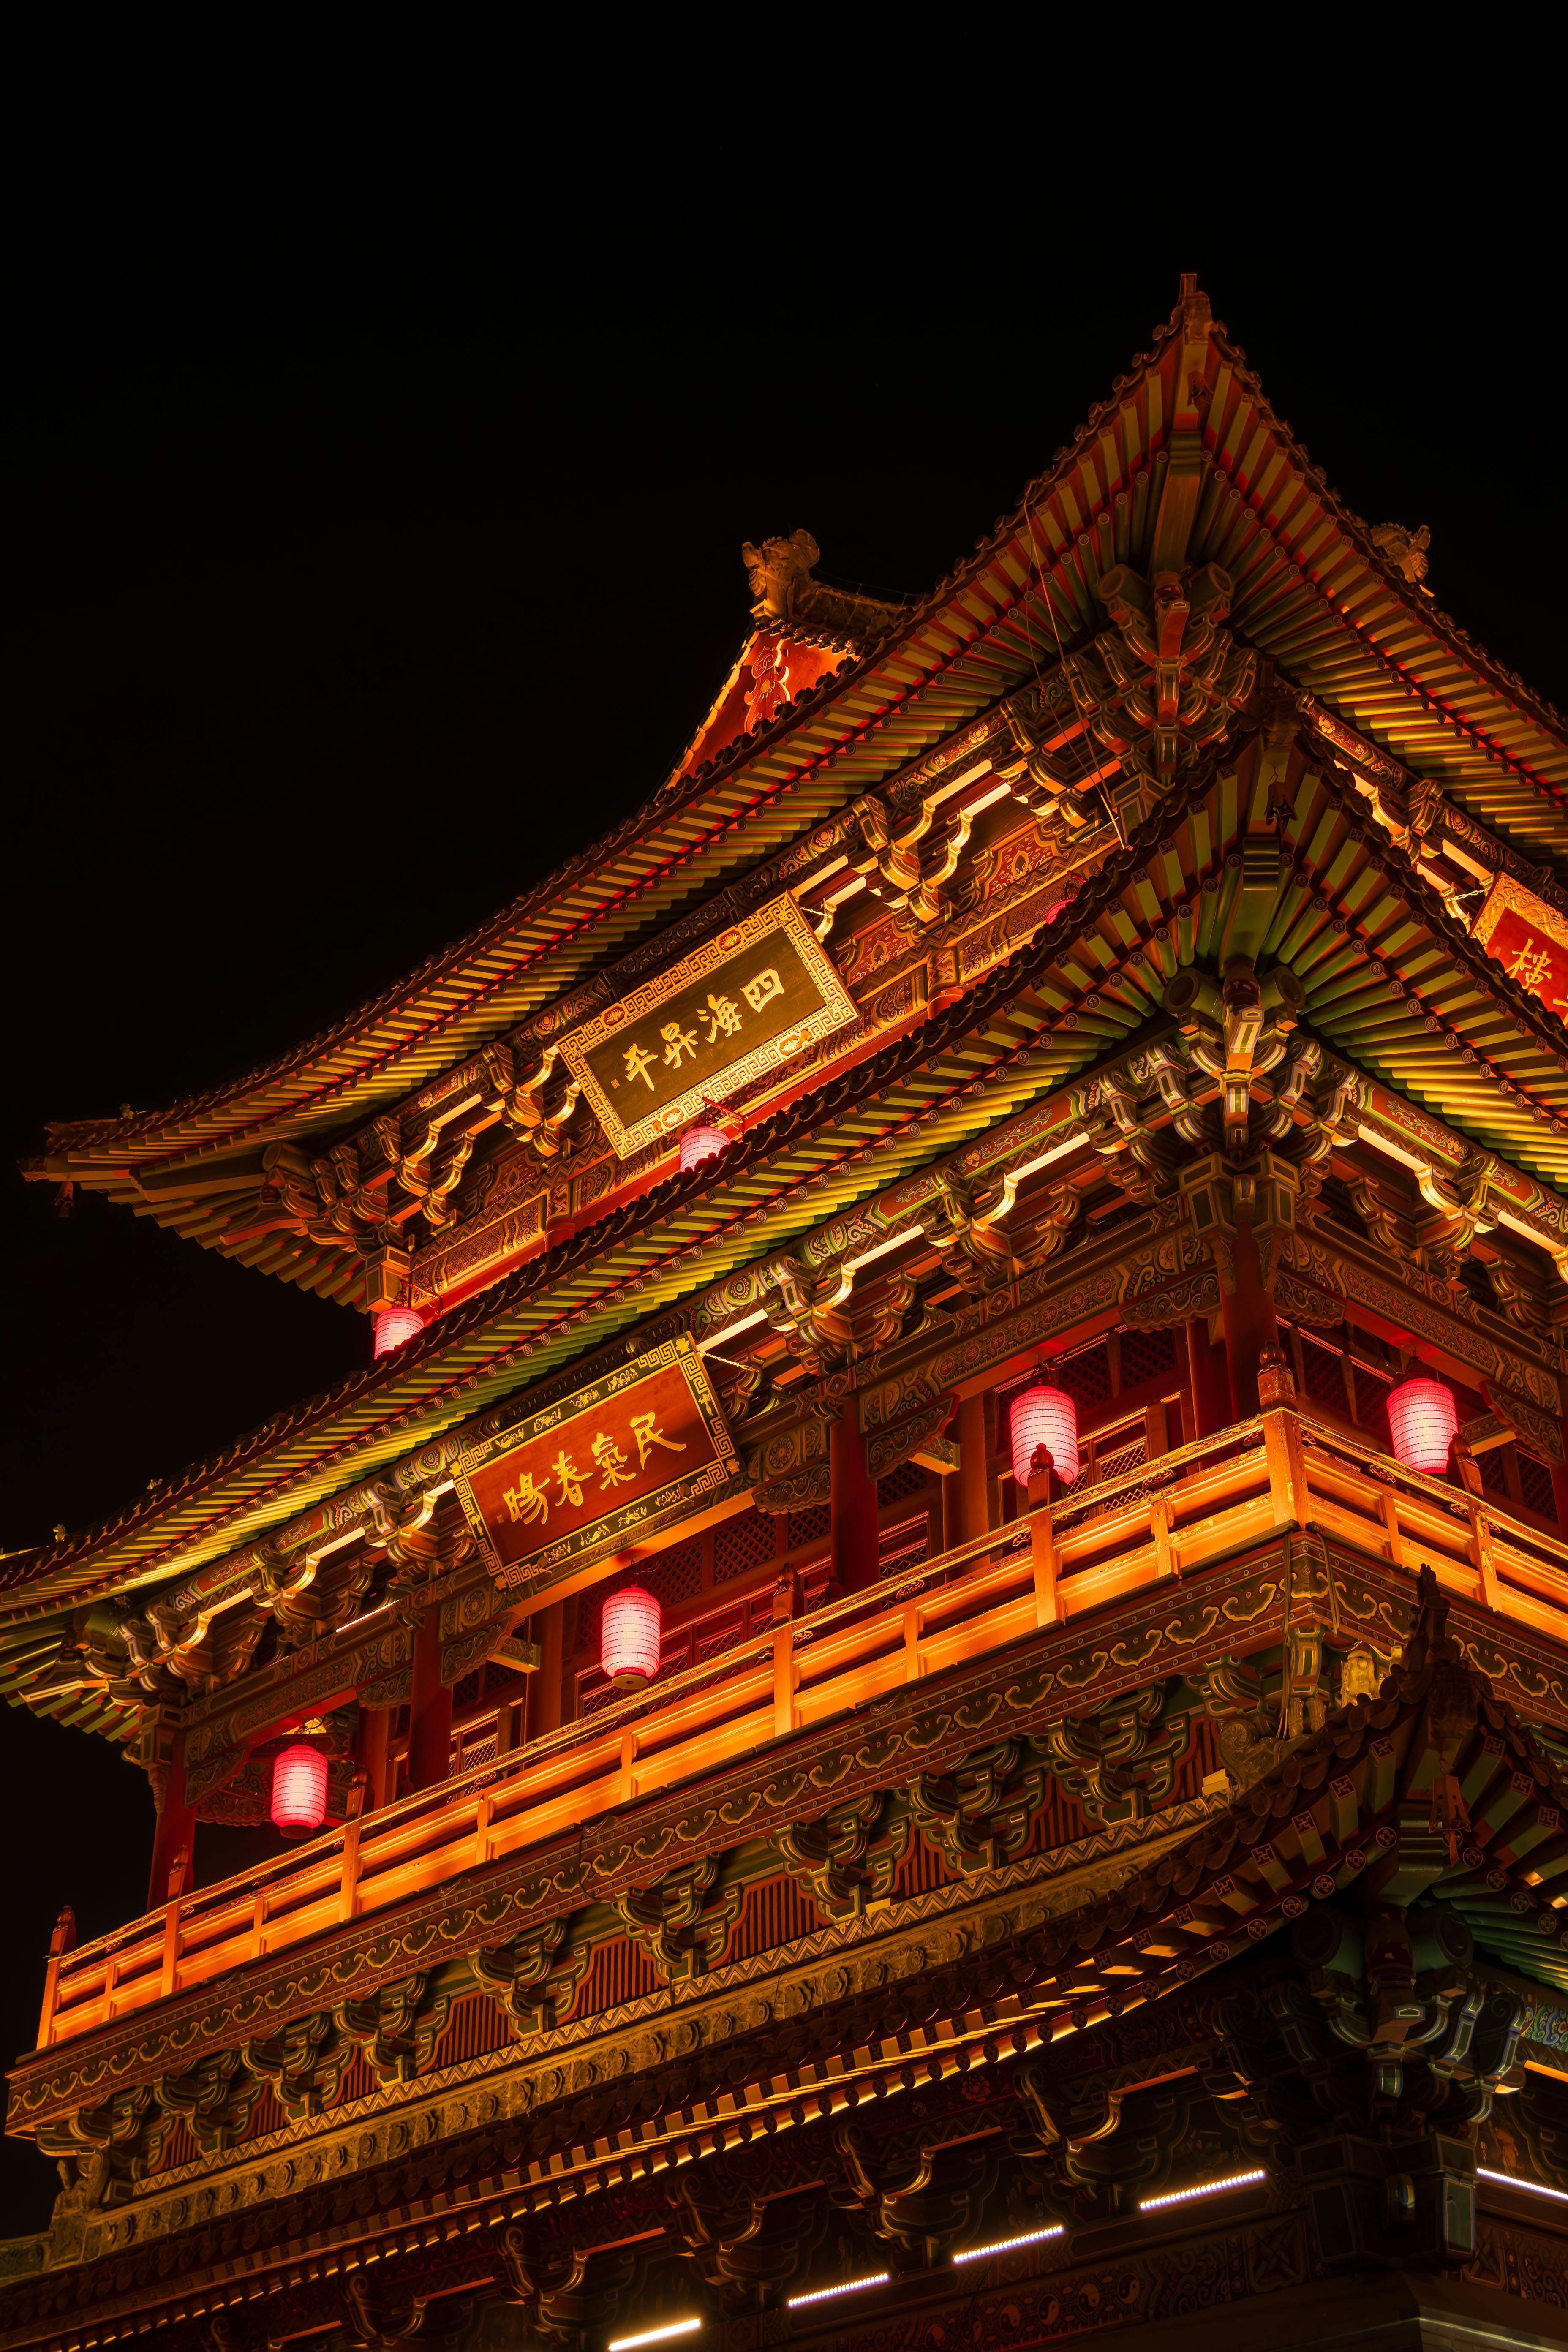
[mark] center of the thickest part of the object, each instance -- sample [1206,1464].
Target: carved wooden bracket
[921,2209]
[1119,1763]
[674,1925]
[1167,679]
[394,2028]
[981,1814]
[847,1858]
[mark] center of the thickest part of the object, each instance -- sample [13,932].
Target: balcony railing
[1188,1509]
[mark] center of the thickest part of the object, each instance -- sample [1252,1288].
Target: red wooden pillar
[852,1504]
[1206,1381]
[973,1470]
[374,1732]
[1249,1320]
[546,1688]
[176,1829]
[430,1709]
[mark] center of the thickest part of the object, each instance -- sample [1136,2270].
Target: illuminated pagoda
[921,1693]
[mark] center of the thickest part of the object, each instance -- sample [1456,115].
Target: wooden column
[1206,1382]
[548,1628]
[973,1470]
[430,1711]
[176,1829]
[1044,1489]
[952,1523]
[374,1731]
[852,1504]
[1249,1322]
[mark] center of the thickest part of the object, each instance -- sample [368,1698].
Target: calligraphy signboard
[743,1003]
[1529,939]
[586,1474]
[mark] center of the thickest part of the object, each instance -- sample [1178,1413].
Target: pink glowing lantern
[1047,1417]
[629,1634]
[299,1791]
[395,1327]
[1424,1418]
[700,1143]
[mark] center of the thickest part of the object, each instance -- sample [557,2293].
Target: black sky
[372,524]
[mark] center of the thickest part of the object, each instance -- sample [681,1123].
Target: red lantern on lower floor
[299,1791]
[630,1635]
[1423,1420]
[395,1327]
[1048,1417]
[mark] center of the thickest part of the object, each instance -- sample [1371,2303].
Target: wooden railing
[1188,1509]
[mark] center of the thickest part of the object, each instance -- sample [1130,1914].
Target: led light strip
[1203,2188]
[656,2335]
[821,2293]
[1003,2245]
[1512,2180]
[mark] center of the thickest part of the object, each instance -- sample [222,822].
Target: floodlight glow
[1511,2180]
[656,2335]
[1203,2188]
[1006,2245]
[821,2293]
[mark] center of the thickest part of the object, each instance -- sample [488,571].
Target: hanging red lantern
[299,1791]
[395,1327]
[1048,1417]
[629,1632]
[700,1143]
[1424,1419]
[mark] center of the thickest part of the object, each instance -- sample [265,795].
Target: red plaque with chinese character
[1529,939]
[743,1003]
[590,1473]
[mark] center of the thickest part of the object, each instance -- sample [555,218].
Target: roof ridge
[84,1133]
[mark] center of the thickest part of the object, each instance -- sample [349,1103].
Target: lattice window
[465,1693]
[498,1675]
[1085,1377]
[720,1633]
[908,1478]
[1325,1380]
[743,1543]
[1371,1394]
[1127,1456]
[905,1548]
[675,1576]
[1145,1354]
[1494,1476]
[808,1526]
[1535,1485]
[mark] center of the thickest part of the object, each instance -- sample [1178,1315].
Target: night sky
[371,533]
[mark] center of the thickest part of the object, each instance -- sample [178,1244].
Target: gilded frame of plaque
[1507,897]
[836,1009]
[611,1528]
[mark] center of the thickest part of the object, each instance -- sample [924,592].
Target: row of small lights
[1035,2238]
[972,2254]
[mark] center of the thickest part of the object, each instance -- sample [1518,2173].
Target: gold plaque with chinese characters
[587,1474]
[1529,939]
[745,1002]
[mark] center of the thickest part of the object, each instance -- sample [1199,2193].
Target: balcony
[1203,1507]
